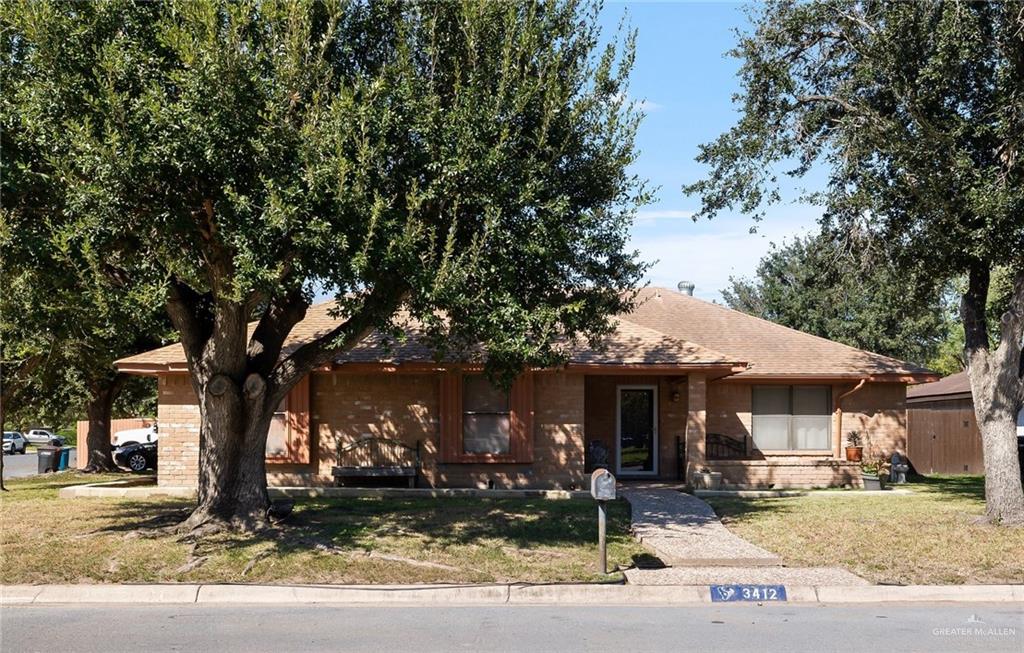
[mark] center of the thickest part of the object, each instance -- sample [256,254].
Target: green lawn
[50,540]
[935,536]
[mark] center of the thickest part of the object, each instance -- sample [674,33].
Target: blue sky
[686,83]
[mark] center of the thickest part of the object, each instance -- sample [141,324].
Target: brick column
[696,424]
[178,448]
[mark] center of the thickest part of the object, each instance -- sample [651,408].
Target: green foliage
[949,358]
[60,332]
[467,157]
[912,107]
[835,288]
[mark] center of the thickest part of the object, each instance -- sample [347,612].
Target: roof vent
[686,287]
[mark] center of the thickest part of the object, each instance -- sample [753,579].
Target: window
[288,438]
[277,436]
[486,417]
[484,424]
[793,418]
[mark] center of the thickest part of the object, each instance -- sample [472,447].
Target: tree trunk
[996,387]
[232,445]
[101,456]
[996,412]
[240,378]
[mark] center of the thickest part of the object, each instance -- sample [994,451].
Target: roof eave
[899,377]
[928,399]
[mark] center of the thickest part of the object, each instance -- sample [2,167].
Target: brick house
[682,386]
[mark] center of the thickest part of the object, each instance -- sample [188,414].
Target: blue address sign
[724,593]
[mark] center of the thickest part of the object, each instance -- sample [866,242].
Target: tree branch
[277,321]
[184,306]
[378,305]
[972,310]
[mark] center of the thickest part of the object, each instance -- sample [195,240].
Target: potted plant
[872,475]
[854,447]
[705,479]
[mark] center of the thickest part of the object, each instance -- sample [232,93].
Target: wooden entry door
[637,430]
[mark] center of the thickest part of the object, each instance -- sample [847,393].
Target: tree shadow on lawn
[969,487]
[731,509]
[354,524]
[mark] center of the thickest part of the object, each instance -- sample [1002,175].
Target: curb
[475,595]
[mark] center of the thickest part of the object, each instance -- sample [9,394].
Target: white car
[14,442]
[40,436]
[135,436]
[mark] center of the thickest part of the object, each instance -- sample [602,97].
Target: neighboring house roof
[954,386]
[668,329]
[770,349]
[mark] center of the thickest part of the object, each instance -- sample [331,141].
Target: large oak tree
[464,162]
[916,110]
[835,286]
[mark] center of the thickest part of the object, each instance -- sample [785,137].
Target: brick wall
[347,407]
[878,410]
[786,472]
[729,409]
[569,409]
[178,447]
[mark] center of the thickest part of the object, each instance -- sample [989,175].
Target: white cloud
[709,259]
[649,106]
[663,214]
[644,105]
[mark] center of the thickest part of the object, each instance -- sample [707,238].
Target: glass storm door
[638,430]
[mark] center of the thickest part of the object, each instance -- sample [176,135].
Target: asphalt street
[27,464]
[244,628]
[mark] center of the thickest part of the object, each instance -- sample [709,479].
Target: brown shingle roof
[631,344]
[770,349]
[664,330]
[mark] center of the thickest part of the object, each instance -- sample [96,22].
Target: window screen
[792,417]
[771,417]
[486,417]
[811,417]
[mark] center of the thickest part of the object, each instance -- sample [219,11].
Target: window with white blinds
[792,417]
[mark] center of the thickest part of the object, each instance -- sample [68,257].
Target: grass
[45,539]
[935,536]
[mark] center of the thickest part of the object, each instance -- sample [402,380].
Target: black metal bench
[377,458]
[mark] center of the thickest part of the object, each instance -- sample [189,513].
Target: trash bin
[65,455]
[48,459]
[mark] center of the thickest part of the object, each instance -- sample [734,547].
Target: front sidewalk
[684,531]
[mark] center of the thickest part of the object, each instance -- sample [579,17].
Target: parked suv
[14,442]
[40,436]
[129,437]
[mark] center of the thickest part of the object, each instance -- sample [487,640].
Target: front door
[637,437]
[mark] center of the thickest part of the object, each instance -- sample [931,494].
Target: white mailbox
[602,485]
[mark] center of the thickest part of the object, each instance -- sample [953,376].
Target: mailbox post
[602,488]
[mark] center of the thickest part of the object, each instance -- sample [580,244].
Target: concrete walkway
[682,530]
[788,576]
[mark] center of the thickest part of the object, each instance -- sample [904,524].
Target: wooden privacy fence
[943,438]
[116,426]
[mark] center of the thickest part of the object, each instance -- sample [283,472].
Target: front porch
[699,424]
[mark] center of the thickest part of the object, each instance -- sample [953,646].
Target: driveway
[20,466]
